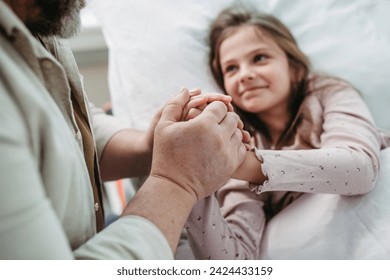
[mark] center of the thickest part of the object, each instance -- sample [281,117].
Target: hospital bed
[158,46]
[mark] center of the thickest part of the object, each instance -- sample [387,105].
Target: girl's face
[256,72]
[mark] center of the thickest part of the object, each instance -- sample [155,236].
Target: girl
[309,133]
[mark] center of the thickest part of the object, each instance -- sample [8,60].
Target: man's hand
[191,160]
[199,155]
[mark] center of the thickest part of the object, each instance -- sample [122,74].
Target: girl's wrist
[250,169]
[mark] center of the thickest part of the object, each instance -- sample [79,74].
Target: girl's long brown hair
[227,23]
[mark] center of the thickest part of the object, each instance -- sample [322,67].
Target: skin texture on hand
[250,168]
[134,148]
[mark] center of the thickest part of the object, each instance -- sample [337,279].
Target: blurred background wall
[91,53]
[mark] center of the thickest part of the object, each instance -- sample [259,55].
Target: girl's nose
[246,74]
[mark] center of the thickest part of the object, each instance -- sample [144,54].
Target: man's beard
[57,18]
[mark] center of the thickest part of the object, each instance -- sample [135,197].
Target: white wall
[91,53]
[95,83]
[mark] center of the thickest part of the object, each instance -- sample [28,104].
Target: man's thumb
[173,110]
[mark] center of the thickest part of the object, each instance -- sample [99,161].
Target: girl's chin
[253,109]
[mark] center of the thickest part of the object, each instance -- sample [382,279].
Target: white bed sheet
[320,226]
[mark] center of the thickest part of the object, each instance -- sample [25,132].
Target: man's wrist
[158,187]
[164,203]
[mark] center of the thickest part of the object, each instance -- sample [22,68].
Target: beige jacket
[47,209]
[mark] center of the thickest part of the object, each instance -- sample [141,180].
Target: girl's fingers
[197,101]
[193,113]
[200,100]
[195,92]
[214,97]
[246,137]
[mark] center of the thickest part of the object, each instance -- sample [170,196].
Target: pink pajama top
[331,147]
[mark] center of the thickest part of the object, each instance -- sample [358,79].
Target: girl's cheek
[230,86]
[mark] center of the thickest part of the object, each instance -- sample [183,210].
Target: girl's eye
[230,68]
[259,57]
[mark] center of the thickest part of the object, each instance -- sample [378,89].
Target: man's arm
[191,160]
[123,152]
[165,204]
[126,155]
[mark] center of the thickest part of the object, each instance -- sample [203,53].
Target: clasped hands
[198,143]
[199,101]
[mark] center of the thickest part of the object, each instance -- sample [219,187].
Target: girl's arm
[227,225]
[347,158]
[249,169]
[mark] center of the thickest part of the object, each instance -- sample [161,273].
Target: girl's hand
[199,101]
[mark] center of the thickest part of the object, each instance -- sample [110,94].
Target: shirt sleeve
[130,237]
[347,161]
[104,127]
[232,231]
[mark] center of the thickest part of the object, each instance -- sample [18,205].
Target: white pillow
[158,46]
[155,48]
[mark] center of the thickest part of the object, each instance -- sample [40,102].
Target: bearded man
[55,148]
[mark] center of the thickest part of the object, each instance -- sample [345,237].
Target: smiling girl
[310,133]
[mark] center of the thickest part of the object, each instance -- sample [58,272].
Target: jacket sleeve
[232,231]
[131,238]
